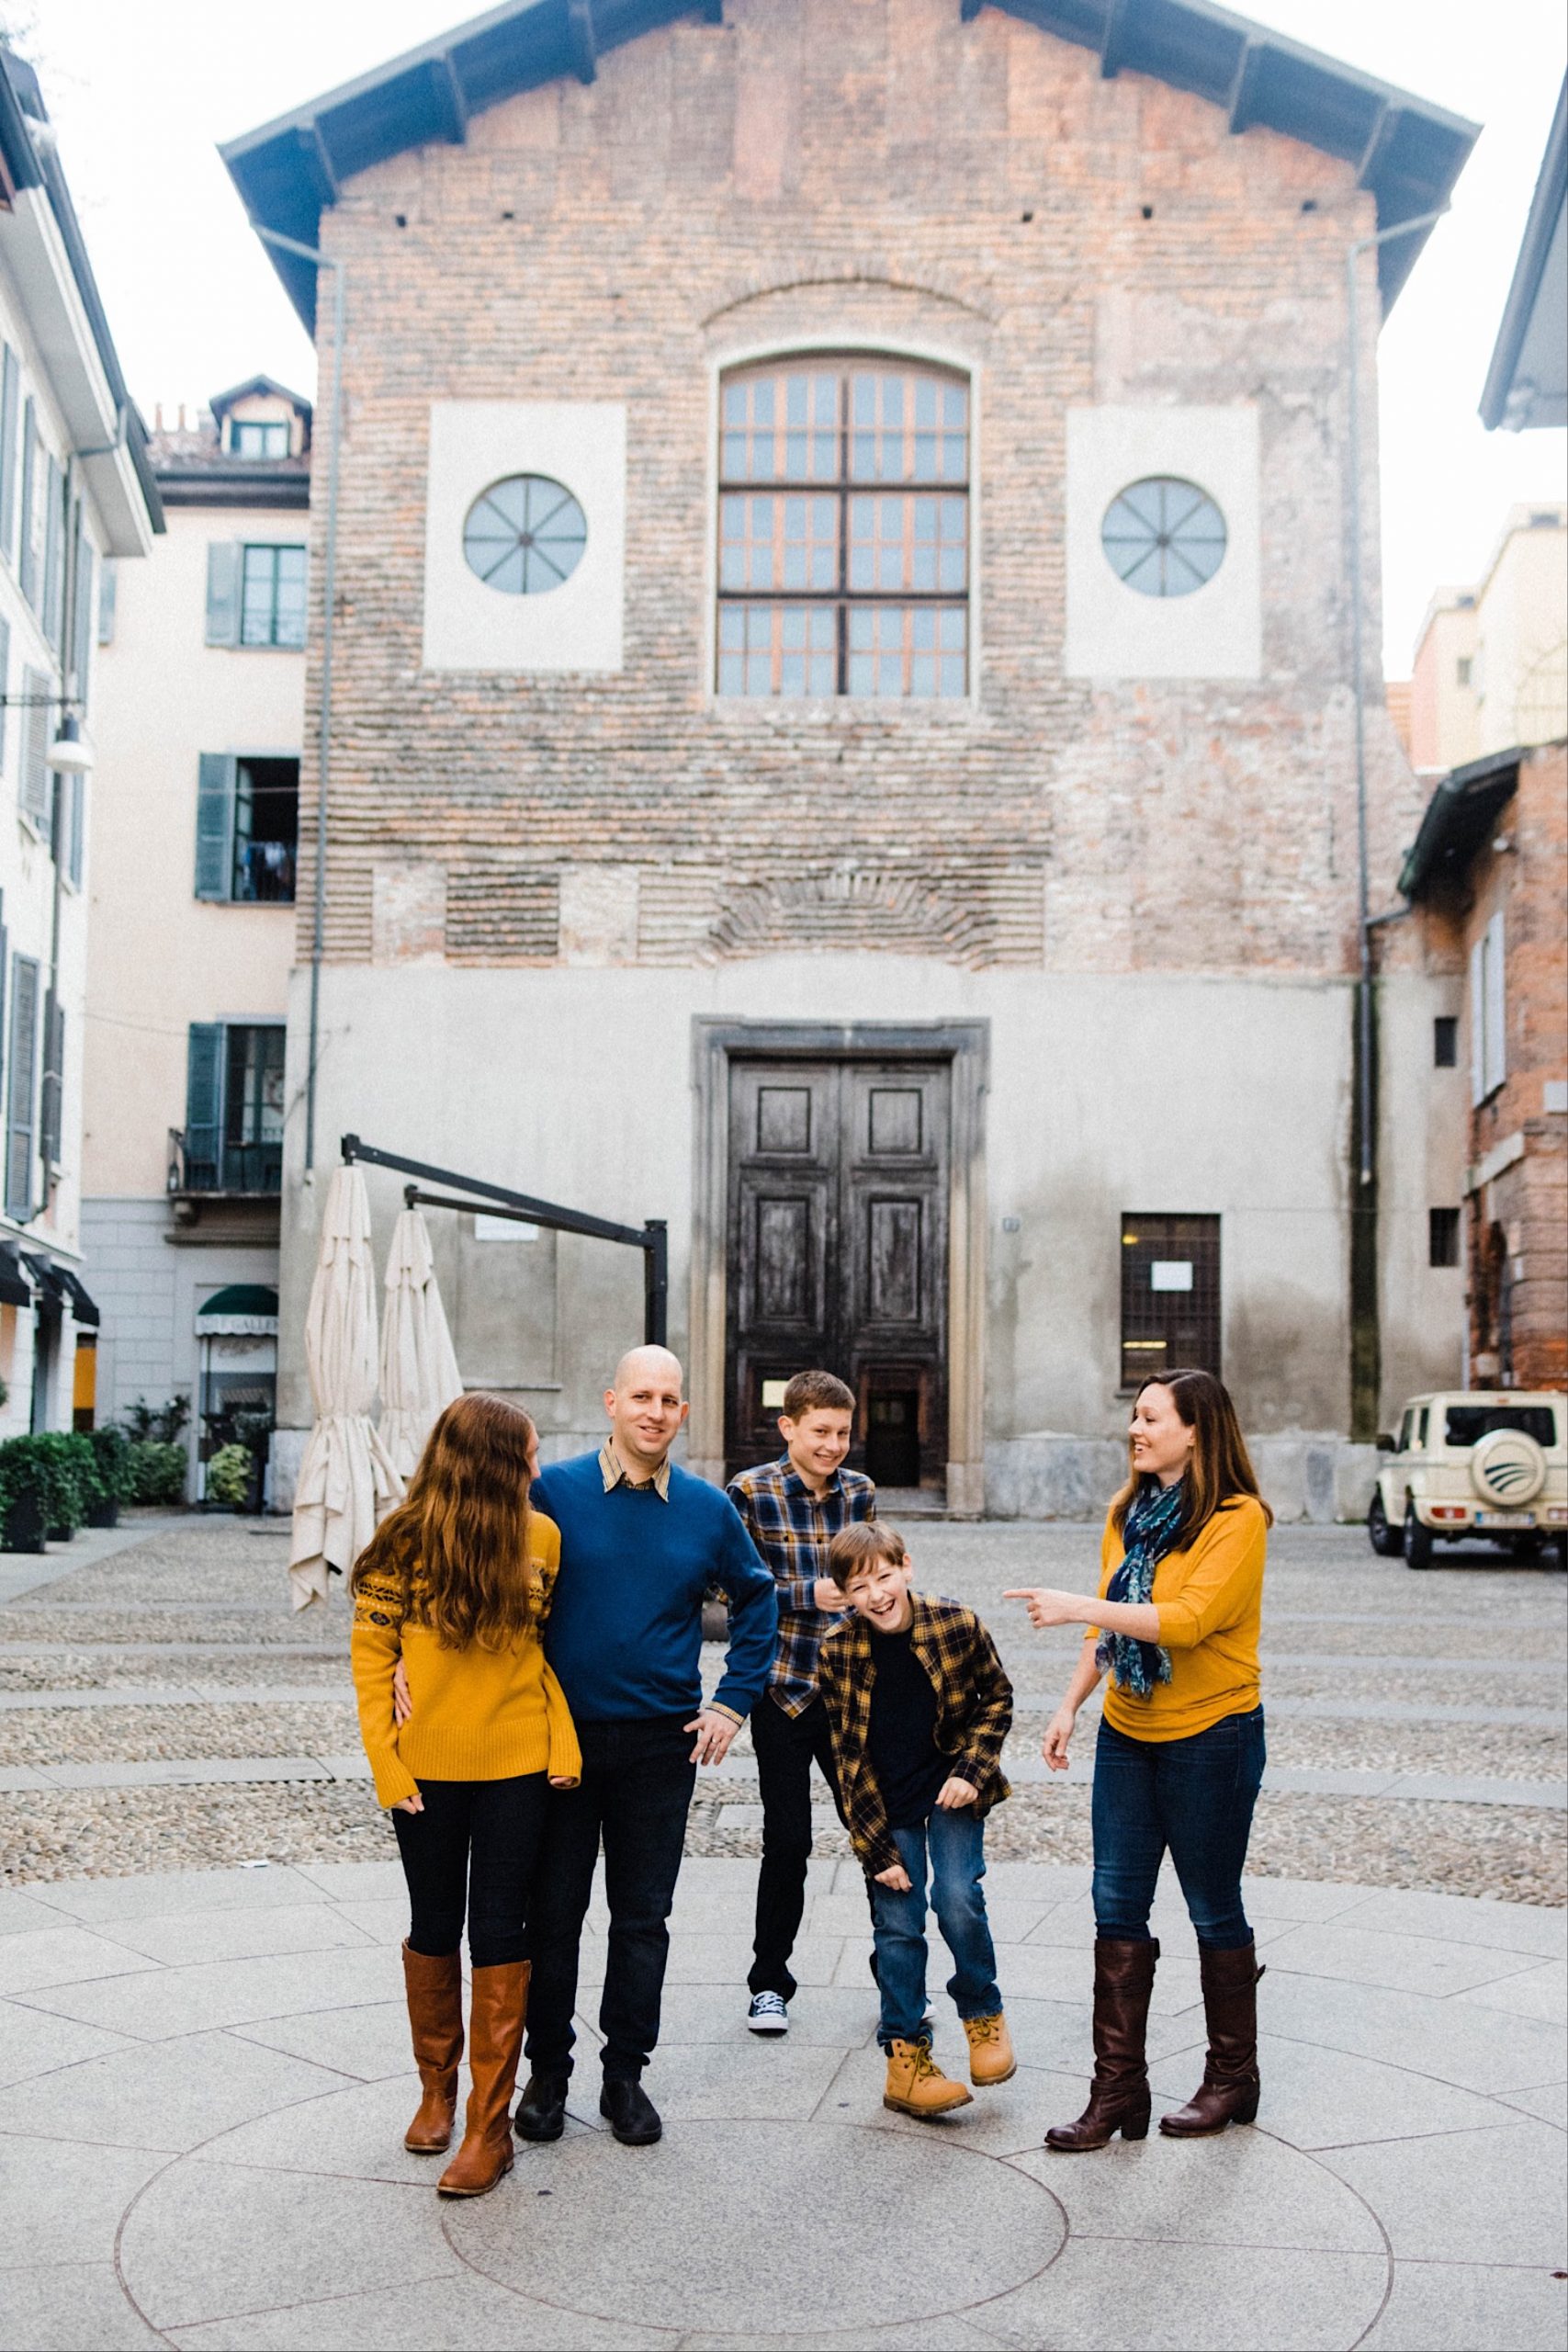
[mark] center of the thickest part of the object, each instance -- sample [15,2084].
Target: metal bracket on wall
[652,1238]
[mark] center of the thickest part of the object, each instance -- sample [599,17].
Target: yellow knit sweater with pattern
[479,1714]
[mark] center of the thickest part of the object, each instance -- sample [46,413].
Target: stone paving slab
[210,2070]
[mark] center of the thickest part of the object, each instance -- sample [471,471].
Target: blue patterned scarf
[1148,1534]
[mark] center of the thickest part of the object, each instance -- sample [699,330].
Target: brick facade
[876,175]
[1516,1218]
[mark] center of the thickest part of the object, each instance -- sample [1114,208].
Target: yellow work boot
[991,2058]
[917,2086]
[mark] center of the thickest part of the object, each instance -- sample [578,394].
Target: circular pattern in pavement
[680,2236]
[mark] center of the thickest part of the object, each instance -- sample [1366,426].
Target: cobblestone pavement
[160,1707]
[206,2073]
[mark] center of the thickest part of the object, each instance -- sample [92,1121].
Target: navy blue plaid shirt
[792,1528]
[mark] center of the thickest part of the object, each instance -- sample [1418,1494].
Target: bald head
[639,1365]
[646,1408]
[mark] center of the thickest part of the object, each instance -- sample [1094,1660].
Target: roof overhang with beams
[1526,384]
[1408,152]
[1460,817]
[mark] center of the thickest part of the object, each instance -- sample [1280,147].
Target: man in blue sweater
[642,1544]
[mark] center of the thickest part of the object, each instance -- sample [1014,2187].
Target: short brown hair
[860,1546]
[817,1392]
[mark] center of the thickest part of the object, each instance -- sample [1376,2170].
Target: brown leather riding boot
[1230,2087]
[498,2005]
[435,1989]
[1119,2095]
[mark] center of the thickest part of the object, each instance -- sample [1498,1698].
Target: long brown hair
[458,1544]
[1220,1470]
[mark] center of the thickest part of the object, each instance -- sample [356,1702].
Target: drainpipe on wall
[1365,1337]
[329,599]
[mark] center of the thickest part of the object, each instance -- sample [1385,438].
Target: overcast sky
[141,96]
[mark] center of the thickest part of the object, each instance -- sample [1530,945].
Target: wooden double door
[837,1250]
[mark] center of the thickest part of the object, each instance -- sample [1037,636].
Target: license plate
[1505,1518]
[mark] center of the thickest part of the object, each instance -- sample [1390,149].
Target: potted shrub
[68,1499]
[158,1471]
[228,1475]
[111,1454]
[25,1494]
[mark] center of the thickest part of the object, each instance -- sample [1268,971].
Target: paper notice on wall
[1171,1273]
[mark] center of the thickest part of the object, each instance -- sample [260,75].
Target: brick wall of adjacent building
[1517,1221]
[877,174]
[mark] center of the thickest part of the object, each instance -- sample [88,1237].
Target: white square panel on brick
[525,534]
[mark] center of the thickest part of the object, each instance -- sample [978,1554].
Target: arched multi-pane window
[843,529]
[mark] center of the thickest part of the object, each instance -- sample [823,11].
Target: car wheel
[1387,1541]
[1418,1540]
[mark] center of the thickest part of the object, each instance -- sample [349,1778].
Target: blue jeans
[954,1846]
[1192,1796]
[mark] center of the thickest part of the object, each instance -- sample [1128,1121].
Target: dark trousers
[1193,1797]
[473,1849]
[634,1794]
[787,1747]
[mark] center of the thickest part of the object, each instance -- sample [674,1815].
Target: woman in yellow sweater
[457,1582]
[1181,1753]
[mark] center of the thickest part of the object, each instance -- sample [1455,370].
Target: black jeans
[786,1746]
[635,1792]
[474,1847]
[1194,1796]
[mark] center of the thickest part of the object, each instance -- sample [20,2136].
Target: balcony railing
[243,1169]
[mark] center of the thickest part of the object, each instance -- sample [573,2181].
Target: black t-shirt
[910,1767]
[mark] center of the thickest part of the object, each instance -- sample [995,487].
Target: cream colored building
[201,707]
[75,489]
[1491,669]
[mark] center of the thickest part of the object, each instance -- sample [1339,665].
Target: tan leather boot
[1229,2091]
[435,1989]
[991,2058]
[917,2086]
[1119,2095]
[498,2006]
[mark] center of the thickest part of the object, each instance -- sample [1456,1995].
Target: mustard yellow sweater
[479,1714]
[1210,1605]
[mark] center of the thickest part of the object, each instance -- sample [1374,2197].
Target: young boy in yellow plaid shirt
[919,1707]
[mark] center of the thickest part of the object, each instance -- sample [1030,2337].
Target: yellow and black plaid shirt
[792,1528]
[974,1713]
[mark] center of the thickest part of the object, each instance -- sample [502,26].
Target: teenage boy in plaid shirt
[792,1510]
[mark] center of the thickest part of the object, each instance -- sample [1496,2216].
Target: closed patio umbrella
[346,1482]
[418,1369]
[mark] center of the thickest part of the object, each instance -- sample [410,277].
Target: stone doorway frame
[965,1045]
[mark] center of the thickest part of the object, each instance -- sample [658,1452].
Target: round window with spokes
[1164,536]
[524,536]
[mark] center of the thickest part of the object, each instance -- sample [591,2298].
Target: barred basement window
[843,530]
[1171,1297]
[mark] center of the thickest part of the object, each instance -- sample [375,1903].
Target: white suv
[1487,1462]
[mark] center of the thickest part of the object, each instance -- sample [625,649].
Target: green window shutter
[214,825]
[33,790]
[5,968]
[10,403]
[51,1094]
[222,592]
[76,830]
[82,616]
[26,545]
[204,1104]
[53,611]
[22,1095]
[4,679]
[109,582]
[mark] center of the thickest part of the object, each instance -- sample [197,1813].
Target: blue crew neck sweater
[625,1625]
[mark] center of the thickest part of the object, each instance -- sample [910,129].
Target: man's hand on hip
[714,1731]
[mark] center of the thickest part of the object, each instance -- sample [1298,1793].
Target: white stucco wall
[1106,1095]
[161,958]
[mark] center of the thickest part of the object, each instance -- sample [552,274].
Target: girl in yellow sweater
[1180,1752]
[457,1582]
